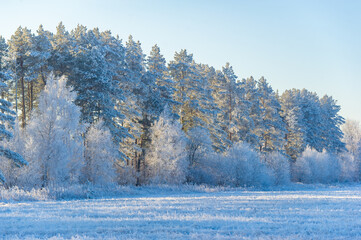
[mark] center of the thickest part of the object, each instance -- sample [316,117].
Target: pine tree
[114,54]
[251,130]
[4,48]
[42,53]
[230,101]
[312,119]
[273,127]
[229,94]
[20,46]
[331,123]
[61,58]
[5,68]
[311,122]
[212,92]
[156,66]
[91,78]
[245,122]
[136,94]
[293,117]
[7,120]
[38,68]
[189,91]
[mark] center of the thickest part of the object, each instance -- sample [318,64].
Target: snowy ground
[319,213]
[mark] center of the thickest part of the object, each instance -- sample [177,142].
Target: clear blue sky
[310,44]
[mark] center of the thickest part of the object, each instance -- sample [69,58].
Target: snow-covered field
[316,213]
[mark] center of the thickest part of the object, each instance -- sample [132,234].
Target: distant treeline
[92,109]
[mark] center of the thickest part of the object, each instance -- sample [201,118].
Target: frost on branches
[53,134]
[101,155]
[166,159]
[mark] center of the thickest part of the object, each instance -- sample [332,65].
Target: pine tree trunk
[31,95]
[2,92]
[22,86]
[230,117]
[137,164]
[144,143]
[23,105]
[42,76]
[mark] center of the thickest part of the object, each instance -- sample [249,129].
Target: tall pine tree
[7,120]
[273,127]
[20,47]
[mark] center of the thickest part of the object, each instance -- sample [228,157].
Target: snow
[332,212]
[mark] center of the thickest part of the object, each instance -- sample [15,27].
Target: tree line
[91,108]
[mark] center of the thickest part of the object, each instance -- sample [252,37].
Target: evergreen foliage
[7,120]
[127,117]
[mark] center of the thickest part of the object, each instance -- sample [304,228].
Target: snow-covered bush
[125,174]
[18,194]
[316,167]
[352,139]
[100,155]
[199,143]
[200,155]
[279,167]
[166,159]
[207,170]
[241,166]
[350,169]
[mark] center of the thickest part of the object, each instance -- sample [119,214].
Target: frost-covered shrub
[100,155]
[207,170]
[166,159]
[11,172]
[352,139]
[349,168]
[241,166]
[279,167]
[199,143]
[200,156]
[18,194]
[316,167]
[126,174]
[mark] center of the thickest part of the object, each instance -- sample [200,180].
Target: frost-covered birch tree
[54,144]
[101,155]
[166,159]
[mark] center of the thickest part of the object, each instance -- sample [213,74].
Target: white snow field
[318,213]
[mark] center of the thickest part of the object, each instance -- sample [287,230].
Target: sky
[312,44]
